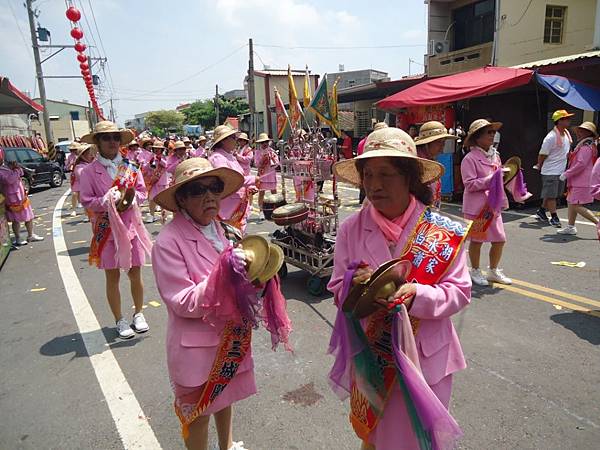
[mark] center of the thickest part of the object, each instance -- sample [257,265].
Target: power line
[102,46]
[522,15]
[20,31]
[302,47]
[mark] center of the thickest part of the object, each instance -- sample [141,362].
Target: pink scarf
[392,229]
[559,137]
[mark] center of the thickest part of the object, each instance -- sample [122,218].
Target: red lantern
[73,14]
[81,57]
[86,74]
[84,66]
[76,33]
[80,47]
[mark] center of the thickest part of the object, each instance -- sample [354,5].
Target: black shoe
[555,222]
[541,216]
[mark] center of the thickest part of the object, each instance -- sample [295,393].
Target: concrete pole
[596,43]
[39,73]
[251,99]
[217,106]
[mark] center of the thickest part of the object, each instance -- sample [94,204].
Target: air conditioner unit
[438,47]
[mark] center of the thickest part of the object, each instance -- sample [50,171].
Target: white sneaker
[139,324]
[86,219]
[497,276]
[124,329]
[19,242]
[149,218]
[35,238]
[569,229]
[73,213]
[238,446]
[478,278]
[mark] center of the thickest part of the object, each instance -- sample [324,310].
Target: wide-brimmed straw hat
[158,144]
[432,131]
[388,142]
[243,136]
[589,126]
[263,137]
[106,126]
[202,138]
[179,144]
[74,146]
[192,169]
[133,142]
[380,125]
[478,125]
[221,132]
[186,140]
[81,149]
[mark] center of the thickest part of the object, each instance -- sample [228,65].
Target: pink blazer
[172,163]
[360,239]
[595,180]
[220,158]
[95,182]
[182,259]
[579,172]
[71,157]
[245,157]
[11,185]
[77,170]
[270,174]
[477,171]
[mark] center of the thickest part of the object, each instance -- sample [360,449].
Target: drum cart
[308,243]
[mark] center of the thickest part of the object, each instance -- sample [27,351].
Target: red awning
[13,101]
[457,87]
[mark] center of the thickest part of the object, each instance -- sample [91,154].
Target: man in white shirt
[552,162]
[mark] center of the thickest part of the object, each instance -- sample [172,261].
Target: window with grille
[554,24]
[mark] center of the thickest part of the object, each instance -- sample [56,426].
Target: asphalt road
[533,379]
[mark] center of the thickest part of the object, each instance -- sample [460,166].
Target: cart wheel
[283,271]
[317,285]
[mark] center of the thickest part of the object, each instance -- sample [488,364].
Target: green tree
[165,120]
[203,113]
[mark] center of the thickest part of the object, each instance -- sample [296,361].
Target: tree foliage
[165,120]
[203,113]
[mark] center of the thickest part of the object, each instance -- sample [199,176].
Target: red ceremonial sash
[155,176]
[434,243]
[238,215]
[482,222]
[233,347]
[18,207]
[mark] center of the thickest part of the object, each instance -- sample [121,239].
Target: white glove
[505,170]
[562,177]
[113,193]
[239,254]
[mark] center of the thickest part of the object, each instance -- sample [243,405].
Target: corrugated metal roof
[280,73]
[558,60]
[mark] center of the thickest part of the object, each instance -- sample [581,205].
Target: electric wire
[27,46]
[366,47]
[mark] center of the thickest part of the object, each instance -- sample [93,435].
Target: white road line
[131,422]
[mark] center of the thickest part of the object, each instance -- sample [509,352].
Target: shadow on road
[74,343]
[76,251]
[483,291]
[562,238]
[584,326]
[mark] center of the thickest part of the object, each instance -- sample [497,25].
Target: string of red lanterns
[74,16]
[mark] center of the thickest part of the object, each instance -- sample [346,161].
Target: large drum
[290,214]
[270,203]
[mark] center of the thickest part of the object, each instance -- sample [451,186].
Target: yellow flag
[307,97]
[295,111]
[333,105]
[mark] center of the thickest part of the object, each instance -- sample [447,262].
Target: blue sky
[162,53]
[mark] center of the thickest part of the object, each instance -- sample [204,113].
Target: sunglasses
[106,137]
[198,189]
[491,132]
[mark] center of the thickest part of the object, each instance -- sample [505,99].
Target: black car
[37,169]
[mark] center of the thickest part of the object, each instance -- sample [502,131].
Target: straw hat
[257,249]
[145,140]
[477,125]
[82,148]
[192,169]
[390,142]
[74,146]
[132,143]
[202,138]
[243,136]
[589,126]
[186,140]
[561,114]
[514,165]
[221,132]
[107,126]
[179,144]
[263,137]
[380,125]
[432,131]
[158,144]
[274,263]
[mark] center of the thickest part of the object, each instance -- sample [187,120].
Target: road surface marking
[79,242]
[154,303]
[37,290]
[547,299]
[574,297]
[134,431]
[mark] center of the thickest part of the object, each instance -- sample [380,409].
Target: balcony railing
[460,60]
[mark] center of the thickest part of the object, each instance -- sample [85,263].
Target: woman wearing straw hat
[579,176]
[266,162]
[179,155]
[70,165]
[483,199]
[235,208]
[396,223]
[244,154]
[119,241]
[133,151]
[85,155]
[186,252]
[430,143]
[200,151]
[155,176]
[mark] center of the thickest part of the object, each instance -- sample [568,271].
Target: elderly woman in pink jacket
[18,206]
[235,208]
[266,162]
[184,255]
[85,155]
[156,177]
[481,171]
[119,240]
[578,176]
[396,223]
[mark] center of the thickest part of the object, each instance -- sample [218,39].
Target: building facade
[69,121]
[138,122]
[352,78]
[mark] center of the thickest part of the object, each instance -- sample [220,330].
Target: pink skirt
[579,195]
[242,386]
[107,257]
[25,215]
[495,232]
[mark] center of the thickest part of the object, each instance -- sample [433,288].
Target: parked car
[37,169]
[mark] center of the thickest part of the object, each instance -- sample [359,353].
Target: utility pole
[217,106]
[112,111]
[251,87]
[39,73]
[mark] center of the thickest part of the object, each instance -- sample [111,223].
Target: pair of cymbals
[384,282]
[264,258]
